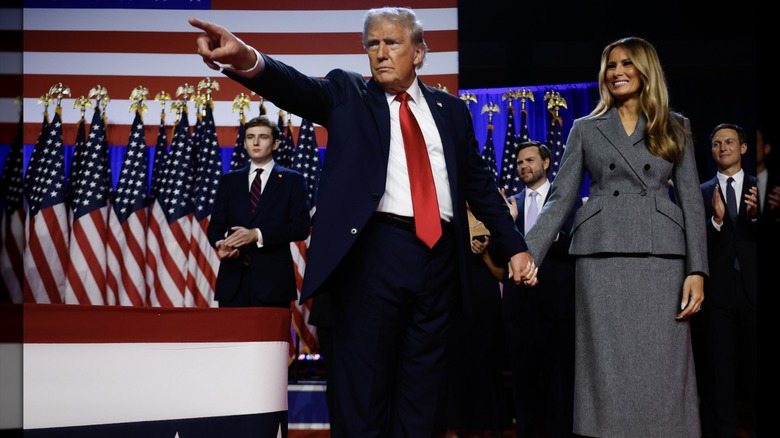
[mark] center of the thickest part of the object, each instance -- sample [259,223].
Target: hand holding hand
[220,48]
[225,251]
[523,269]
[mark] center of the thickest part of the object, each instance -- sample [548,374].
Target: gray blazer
[629,209]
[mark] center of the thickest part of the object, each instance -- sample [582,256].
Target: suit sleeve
[565,194]
[218,225]
[686,183]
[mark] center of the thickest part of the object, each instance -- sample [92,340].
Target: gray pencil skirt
[635,374]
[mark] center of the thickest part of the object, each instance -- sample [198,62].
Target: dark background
[709,55]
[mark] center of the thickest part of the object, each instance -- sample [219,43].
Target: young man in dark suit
[259,209]
[393,272]
[539,320]
[726,328]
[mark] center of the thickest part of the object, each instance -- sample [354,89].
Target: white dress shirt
[398,194]
[739,178]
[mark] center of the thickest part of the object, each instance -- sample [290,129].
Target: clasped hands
[239,236]
[523,269]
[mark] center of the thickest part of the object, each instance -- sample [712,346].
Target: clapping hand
[773,197]
[718,207]
[751,202]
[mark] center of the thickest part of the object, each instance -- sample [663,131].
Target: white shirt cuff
[245,73]
[259,238]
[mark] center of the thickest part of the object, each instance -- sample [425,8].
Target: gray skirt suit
[635,240]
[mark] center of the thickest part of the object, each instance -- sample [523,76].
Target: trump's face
[392,55]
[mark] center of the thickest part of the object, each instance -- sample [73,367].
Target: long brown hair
[665,134]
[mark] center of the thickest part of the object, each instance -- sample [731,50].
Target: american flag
[556,145]
[32,175]
[522,137]
[160,155]
[239,158]
[77,161]
[121,44]
[170,225]
[86,272]
[489,152]
[509,177]
[283,155]
[127,222]
[488,149]
[203,260]
[307,161]
[12,222]
[46,227]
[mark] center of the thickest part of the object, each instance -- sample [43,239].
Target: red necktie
[254,192]
[427,222]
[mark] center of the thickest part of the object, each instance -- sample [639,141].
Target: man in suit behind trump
[727,328]
[392,268]
[259,209]
[539,321]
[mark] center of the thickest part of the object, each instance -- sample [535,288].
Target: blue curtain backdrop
[580,99]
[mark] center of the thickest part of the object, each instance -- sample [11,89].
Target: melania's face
[622,78]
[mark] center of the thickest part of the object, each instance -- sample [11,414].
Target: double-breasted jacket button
[375,196]
[647,167]
[643,192]
[611,166]
[615,193]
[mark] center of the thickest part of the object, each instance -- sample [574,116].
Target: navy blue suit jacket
[282,217]
[733,240]
[356,114]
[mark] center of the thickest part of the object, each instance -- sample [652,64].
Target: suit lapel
[521,209]
[440,117]
[270,188]
[631,148]
[377,101]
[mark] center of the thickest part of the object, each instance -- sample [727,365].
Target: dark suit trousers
[543,368]
[245,298]
[730,334]
[392,299]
